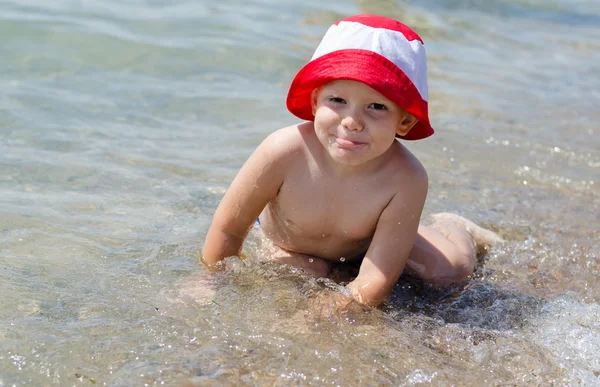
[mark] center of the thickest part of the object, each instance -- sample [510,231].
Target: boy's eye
[336,100]
[378,106]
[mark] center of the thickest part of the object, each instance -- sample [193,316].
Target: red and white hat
[378,51]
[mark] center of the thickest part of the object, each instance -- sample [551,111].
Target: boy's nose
[353,121]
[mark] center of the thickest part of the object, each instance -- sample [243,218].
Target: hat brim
[363,66]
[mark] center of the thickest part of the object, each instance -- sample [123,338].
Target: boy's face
[356,123]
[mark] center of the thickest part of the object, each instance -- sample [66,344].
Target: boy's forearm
[219,245]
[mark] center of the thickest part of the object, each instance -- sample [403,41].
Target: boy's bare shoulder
[287,141]
[407,170]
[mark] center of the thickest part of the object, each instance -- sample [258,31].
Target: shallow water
[122,124]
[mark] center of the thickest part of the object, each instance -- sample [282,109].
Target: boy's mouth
[348,144]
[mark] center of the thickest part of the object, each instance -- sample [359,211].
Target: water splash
[569,330]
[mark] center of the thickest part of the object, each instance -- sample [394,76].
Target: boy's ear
[313,100]
[406,124]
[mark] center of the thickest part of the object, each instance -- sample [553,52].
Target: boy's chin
[349,159]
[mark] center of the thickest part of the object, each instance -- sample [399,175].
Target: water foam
[570,331]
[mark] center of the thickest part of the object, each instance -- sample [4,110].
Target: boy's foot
[482,237]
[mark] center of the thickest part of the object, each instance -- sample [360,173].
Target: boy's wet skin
[340,188]
[351,167]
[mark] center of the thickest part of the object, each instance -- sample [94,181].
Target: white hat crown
[408,54]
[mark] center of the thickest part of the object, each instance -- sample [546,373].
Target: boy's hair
[378,51]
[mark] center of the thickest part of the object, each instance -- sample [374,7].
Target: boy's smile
[346,143]
[355,123]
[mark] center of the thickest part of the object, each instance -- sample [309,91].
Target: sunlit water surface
[122,123]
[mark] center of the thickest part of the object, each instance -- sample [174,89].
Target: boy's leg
[446,251]
[314,266]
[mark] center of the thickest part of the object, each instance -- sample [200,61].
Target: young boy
[339,187]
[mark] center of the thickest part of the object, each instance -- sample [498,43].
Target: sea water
[123,122]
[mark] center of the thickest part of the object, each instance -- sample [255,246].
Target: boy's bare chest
[320,209]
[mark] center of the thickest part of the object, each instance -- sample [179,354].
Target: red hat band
[380,52]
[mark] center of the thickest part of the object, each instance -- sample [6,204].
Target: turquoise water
[122,123]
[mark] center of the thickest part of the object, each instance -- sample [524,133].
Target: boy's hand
[333,304]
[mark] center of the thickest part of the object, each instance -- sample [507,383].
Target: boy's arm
[257,182]
[392,243]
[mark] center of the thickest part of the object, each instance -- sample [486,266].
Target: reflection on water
[122,124]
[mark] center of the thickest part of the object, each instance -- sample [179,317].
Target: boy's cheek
[326,114]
